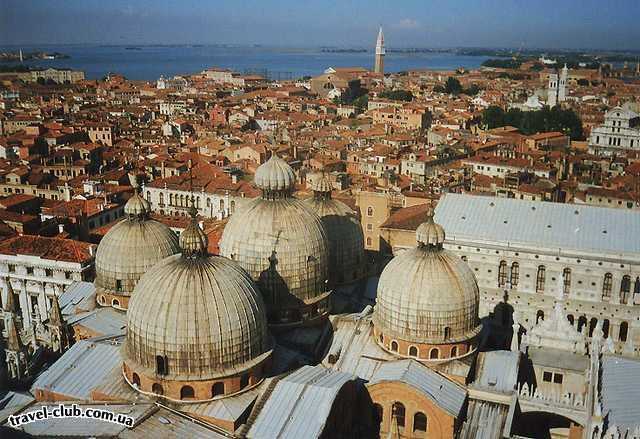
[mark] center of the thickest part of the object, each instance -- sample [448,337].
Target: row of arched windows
[514,275]
[187,392]
[412,351]
[623,332]
[399,412]
[181,200]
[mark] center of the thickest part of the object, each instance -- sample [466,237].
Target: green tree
[493,117]
[397,95]
[452,86]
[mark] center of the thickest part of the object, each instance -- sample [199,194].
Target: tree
[530,122]
[397,95]
[452,86]
[472,90]
[493,117]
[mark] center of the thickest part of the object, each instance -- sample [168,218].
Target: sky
[597,24]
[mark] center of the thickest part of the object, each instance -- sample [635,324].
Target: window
[582,322]
[12,268]
[419,422]
[413,351]
[222,205]
[625,288]
[566,281]
[557,378]
[454,351]
[547,377]
[217,389]
[157,389]
[186,392]
[369,227]
[398,411]
[394,346]
[624,329]
[370,211]
[539,316]
[592,325]
[502,274]
[605,328]
[540,278]
[115,302]
[135,379]
[434,354]
[515,274]
[118,285]
[67,275]
[606,285]
[233,206]
[161,365]
[447,332]
[29,270]
[368,240]
[48,272]
[244,381]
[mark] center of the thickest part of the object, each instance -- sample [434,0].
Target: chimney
[234,178]
[91,250]
[60,228]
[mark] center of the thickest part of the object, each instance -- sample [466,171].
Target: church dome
[283,246]
[427,299]
[344,232]
[128,250]
[275,175]
[198,322]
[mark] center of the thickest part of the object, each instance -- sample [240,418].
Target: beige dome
[428,294]
[283,246]
[275,175]
[344,232]
[203,314]
[130,249]
[430,233]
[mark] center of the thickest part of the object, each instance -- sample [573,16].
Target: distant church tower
[557,89]
[379,67]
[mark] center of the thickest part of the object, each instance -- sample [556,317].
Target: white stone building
[620,132]
[538,253]
[38,267]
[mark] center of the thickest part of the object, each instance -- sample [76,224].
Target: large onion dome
[196,326]
[346,241]
[283,246]
[427,302]
[128,250]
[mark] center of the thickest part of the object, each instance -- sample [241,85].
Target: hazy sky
[301,23]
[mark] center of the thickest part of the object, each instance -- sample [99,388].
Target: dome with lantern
[427,301]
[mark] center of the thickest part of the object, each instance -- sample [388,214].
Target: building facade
[620,133]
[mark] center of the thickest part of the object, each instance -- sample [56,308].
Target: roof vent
[533,207]
[491,204]
[604,231]
[576,212]
[505,221]
[548,226]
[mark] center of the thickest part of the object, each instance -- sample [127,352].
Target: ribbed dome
[430,233]
[322,184]
[193,240]
[129,250]
[203,314]
[275,175]
[137,206]
[282,245]
[346,241]
[428,295]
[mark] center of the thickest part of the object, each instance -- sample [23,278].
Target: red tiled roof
[56,249]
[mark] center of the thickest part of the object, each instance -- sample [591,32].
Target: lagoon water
[149,62]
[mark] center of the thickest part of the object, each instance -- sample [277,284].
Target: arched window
[502,274]
[419,422]
[540,278]
[454,351]
[208,202]
[592,326]
[539,316]
[625,288]
[233,206]
[135,379]
[624,330]
[370,211]
[582,322]
[368,240]
[607,283]
[222,205]
[198,202]
[515,274]
[157,389]
[394,346]
[244,380]
[447,332]
[605,328]
[413,351]
[570,318]
[377,414]
[161,199]
[566,281]
[186,392]
[161,365]
[148,196]
[434,354]
[171,200]
[381,338]
[102,300]
[398,411]
[636,286]
[115,302]
[217,389]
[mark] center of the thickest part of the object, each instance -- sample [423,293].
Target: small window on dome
[115,302]
[217,389]
[161,365]
[187,392]
[118,285]
[135,379]
[244,381]
[413,351]
[157,389]
[394,346]
[434,354]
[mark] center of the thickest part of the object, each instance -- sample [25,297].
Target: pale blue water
[150,62]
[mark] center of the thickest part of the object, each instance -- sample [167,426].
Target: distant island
[330,50]
[26,56]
